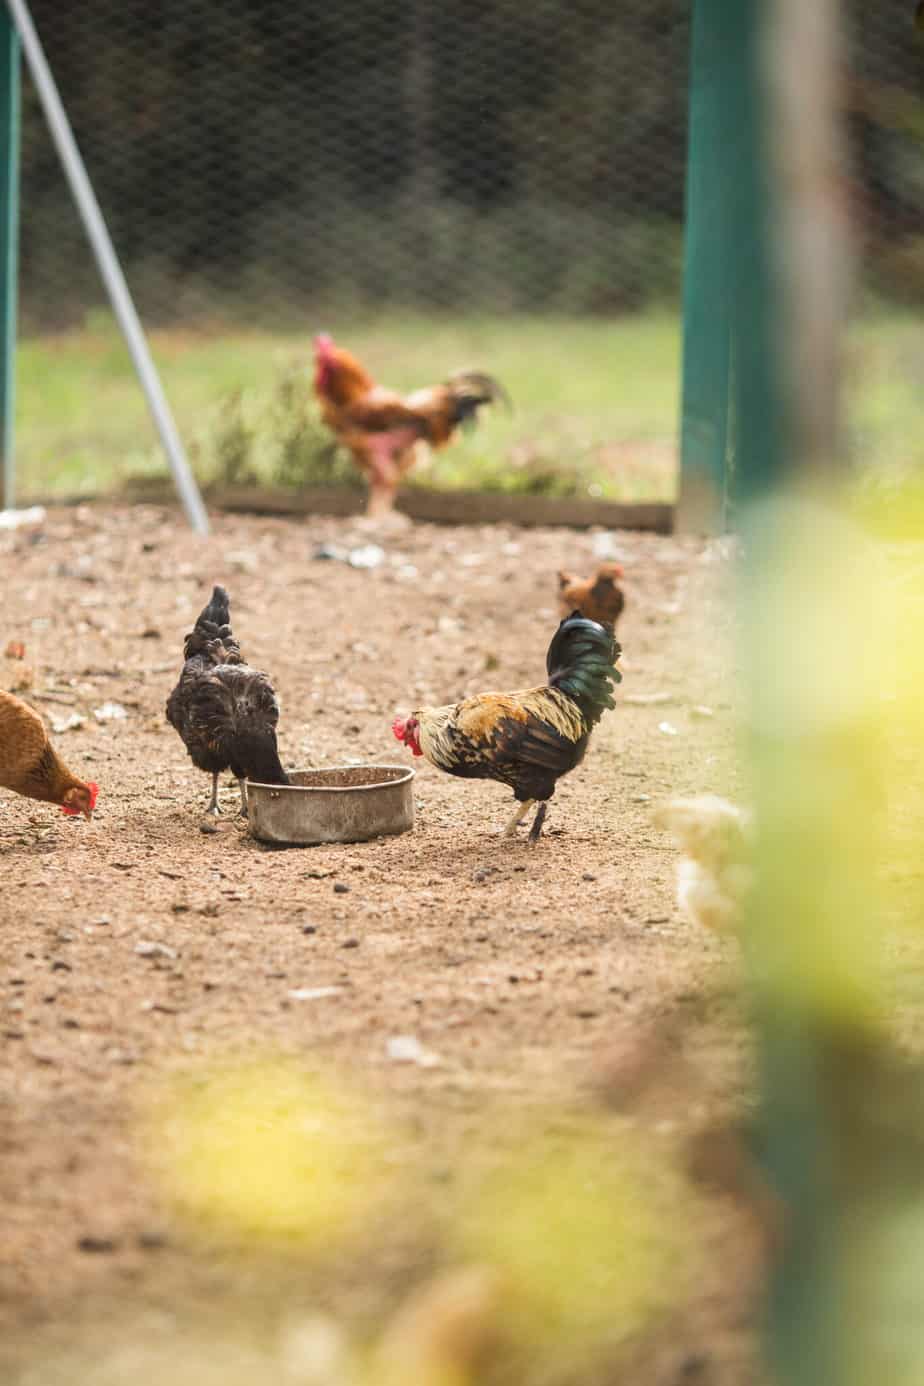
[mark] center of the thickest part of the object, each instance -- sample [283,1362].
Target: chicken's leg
[213,802]
[381,499]
[242,785]
[535,831]
[517,817]
[383,474]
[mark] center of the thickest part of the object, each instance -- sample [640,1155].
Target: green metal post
[725,267]
[757,462]
[801,1069]
[706,303]
[9,246]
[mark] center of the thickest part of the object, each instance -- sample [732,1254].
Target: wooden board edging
[448,507]
[432,507]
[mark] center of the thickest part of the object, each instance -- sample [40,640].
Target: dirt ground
[537,976]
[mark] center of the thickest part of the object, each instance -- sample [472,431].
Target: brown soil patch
[557,975]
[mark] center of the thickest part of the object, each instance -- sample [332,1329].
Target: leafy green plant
[276,439]
[233,443]
[525,468]
[305,454]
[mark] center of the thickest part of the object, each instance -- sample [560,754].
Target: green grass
[596,402]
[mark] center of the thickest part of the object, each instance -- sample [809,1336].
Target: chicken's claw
[535,831]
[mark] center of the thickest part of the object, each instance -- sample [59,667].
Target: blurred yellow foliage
[833,634]
[267,1151]
[576,1231]
[566,1245]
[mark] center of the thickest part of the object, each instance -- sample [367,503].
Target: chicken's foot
[213,802]
[381,499]
[517,817]
[245,811]
[535,831]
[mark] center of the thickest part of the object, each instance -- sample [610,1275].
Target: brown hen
[599,598]
[30,765]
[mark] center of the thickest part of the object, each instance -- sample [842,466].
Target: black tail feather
[471,390]
[213,623]
[581,662]
[254,756]
[218,611]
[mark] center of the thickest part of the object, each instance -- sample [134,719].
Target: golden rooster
[382,428]
[527,740]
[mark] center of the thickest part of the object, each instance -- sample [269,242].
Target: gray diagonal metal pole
[109,266]
[9,256]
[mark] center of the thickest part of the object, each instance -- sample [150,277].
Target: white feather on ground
[714,871]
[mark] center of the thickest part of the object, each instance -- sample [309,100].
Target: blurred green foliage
[257,159]
[256,156]
[278,440]
[832,607]
[819,587]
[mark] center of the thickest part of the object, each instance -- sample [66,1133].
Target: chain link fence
[258,159]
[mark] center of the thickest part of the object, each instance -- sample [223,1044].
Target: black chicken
[225,712]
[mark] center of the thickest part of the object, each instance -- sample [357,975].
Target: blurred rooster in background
[599,598]
[225,712]
[30,765]
[527,740]
[381,428]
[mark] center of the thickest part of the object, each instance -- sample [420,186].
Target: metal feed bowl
[346,803]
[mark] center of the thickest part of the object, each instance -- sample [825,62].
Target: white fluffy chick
[713,873]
